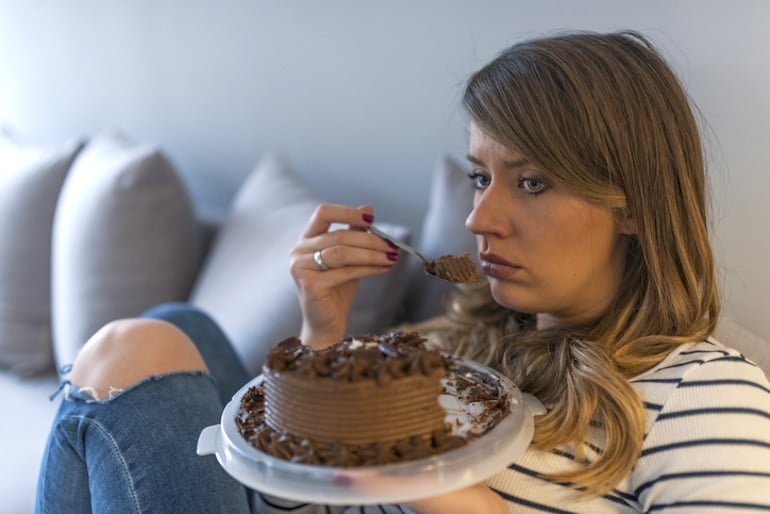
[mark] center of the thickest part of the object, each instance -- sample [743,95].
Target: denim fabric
[214,346]
[135,452]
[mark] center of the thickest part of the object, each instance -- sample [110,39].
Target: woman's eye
[532,186]
[479,180]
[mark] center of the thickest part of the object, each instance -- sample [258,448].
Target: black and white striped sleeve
[708,449]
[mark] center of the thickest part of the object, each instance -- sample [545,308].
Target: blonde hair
[606,117]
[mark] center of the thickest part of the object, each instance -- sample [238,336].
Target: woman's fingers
[345,248]
[326,214]
[340,248]
[341,256]
[342,265]
[320,250]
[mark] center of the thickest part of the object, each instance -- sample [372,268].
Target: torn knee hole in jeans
[111,393]
[89,393]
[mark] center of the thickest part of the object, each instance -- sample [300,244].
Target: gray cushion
[30,180]
[125,238]
[245,283]
[443,232]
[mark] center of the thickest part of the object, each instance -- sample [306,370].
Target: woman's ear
[627,223]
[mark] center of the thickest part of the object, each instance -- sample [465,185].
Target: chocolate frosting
[357,358]
[366,400]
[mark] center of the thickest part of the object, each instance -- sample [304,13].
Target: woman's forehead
[483,145]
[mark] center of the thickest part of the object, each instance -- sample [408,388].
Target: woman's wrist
[319,340]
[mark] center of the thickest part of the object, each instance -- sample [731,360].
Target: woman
[600,294]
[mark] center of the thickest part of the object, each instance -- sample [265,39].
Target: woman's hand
[325,295]
[474,499]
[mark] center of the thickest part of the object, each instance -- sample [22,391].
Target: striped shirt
[706,448]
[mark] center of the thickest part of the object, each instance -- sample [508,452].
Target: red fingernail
[391,244]
[393,256]
[368,218]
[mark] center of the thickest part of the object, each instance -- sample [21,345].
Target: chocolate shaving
[401,353]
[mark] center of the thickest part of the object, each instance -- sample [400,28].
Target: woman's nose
[486,217]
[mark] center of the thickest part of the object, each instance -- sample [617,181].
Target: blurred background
[362,97]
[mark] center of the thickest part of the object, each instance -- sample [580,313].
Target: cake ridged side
[354,413]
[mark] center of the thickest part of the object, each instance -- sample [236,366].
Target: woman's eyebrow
[511,165]
[517,163]
[474,160]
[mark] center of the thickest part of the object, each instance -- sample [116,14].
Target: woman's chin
[505,295]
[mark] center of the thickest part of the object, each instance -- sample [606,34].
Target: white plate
[390,483]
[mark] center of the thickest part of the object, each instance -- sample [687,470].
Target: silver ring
[320,261]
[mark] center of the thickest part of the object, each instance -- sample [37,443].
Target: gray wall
[362,96]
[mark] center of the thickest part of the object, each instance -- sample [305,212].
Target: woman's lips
[497,267]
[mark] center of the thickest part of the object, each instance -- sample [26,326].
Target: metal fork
[452,268]
[379,233]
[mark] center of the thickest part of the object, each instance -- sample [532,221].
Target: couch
[104,229]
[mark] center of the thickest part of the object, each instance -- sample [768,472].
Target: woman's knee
[124,352]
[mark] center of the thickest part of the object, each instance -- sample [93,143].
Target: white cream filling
[464,416]
[358,343]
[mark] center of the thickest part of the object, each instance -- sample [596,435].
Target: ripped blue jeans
[135,452]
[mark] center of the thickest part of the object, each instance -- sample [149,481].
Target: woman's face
[544,249]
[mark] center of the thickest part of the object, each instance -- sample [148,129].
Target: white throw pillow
[245,282]
[30,180]
[443,232]
[125,238]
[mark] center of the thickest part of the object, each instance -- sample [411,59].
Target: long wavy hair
[606,117]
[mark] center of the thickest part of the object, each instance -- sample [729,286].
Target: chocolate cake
[366,400]
[454,268]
